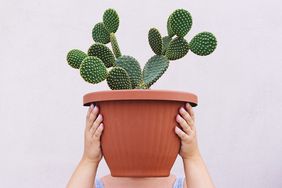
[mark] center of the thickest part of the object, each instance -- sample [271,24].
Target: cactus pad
[155,41]
[177,48]
[118,79]
[111,20]
[100,33]
[166,40]
[180,22]
[75,57]
[154,69]
[115,45]
[168,26]
[93,70]
[132,67]
[102,52]
[203,44]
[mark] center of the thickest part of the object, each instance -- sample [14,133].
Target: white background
[239,86]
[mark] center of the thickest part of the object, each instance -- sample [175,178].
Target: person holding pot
[196,173]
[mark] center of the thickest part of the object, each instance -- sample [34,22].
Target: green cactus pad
[111,20]
[155,41]
[168,27]
[93,70]
[75,57]
[100,33]
[180,22]
[132,67]
[166,40]
[154,69]
[177,48]
[203,44]
[118,79]
[115,45]
[102,52]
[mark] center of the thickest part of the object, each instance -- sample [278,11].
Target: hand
[93,131]
[186,119]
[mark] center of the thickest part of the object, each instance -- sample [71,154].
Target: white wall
[239,86]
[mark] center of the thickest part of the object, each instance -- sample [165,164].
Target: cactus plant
[180,22]
[93,70]
[203,44]
[118,78]
[115,46]
[132,67]
[100,33]
[155,41]
[154,69]
[75,57]
[103,52]
[177,48]
[125,71]
[111,20]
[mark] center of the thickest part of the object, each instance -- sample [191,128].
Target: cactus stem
[115,46]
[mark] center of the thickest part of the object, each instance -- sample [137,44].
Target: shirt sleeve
[179,183]
[98,183]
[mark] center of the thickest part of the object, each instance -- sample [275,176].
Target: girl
[196,174]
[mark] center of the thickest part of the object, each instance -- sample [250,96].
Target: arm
[85,172]
[196,172]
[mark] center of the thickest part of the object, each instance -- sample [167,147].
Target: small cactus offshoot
[125,71]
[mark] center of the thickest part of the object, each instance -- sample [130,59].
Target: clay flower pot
[139,138]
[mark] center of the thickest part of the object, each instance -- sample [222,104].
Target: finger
[187,129]
[89,111]
[186,116]
[92,117]
[182,135]
[190,111]
[96,123]
[98,132]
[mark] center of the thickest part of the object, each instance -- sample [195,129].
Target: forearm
[84,175]
[196,173]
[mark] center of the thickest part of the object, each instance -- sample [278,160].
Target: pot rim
[140,94]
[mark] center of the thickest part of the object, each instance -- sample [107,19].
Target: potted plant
[138,138]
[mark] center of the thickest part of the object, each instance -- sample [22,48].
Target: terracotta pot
[139,138]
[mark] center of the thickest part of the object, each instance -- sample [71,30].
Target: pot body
[139,138]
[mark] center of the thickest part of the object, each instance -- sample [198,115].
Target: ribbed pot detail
[138,138]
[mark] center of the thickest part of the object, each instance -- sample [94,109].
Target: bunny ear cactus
[180,22]
[155,41]
[75,57]
[93,70]
[154,69]
[103,52]
[111,22]
[100,33]
[177,48]
[132,67]
[203,44]
[118,78]
[125,71]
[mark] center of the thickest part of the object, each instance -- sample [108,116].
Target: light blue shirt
[178,183]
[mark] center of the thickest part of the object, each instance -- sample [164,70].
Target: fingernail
[182,109]
[91,106]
